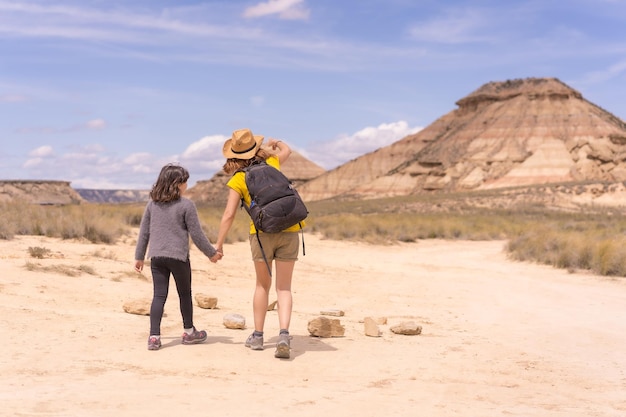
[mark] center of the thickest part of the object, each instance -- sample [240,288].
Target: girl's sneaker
[154,343]
[195,337]
[254,342]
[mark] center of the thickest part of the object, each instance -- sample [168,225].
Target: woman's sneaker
[154,343]
[283,347]
[195,337]
[254,342]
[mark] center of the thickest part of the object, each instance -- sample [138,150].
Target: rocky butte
[511,133]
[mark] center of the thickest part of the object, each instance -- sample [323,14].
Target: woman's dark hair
[166,187]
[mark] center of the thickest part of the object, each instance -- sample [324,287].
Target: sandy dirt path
[500,338]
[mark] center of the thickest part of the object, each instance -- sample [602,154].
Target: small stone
[408,328]
[332,312]
[371,328]
[139,307]
[272,306]
[204,301]
[325,327]
[234,321]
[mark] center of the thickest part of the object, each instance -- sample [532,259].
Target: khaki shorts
[283,246]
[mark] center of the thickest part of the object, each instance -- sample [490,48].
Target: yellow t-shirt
[238,183]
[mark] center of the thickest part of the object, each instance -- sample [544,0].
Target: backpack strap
[269,268]
[243,205]
[302,232]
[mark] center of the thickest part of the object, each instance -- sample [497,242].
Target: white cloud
[285,9]
[458,26]
[209,147]
[614,71]
[32,162]
[41,151]
[96,124]
[347,147]
[143,169]
[137,158]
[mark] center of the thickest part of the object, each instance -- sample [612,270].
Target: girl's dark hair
[166,187]
[232,165]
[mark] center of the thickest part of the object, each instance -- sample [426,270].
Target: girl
[241,150]
[167,223]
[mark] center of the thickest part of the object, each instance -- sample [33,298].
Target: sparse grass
[98,223]
[87,269]
[38,252]
[104,254]
[211,215]
[589,249]
[129,274]
[69,270]
[587,239]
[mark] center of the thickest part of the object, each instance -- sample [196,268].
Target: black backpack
[275,205]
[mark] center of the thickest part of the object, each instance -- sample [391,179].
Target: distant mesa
[114,196]
[511,133]
[50,192]
[41,192]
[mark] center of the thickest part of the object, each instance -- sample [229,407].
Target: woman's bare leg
[284,273]
[261,295]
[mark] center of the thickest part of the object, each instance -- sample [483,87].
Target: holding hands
[218,255]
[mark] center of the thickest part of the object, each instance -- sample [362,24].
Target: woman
[242,150]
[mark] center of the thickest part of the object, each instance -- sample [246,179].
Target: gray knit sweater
[167,227]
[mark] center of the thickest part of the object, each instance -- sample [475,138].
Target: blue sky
[102,93]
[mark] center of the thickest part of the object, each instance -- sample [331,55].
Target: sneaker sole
[254,347]
[193,342]
[282,351]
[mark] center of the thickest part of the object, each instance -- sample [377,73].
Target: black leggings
[161,270]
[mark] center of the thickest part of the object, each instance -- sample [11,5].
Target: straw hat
[242,144]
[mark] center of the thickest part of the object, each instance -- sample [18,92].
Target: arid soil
[499,338]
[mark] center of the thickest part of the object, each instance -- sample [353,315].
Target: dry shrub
[38,252]
[211,216]
[103,253]
[98,223]
[69,270]
[562,249]
[609,258]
